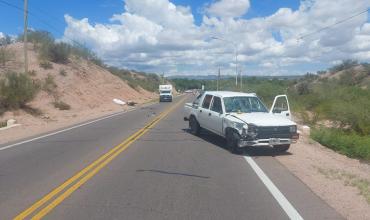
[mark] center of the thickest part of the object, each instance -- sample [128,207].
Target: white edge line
[280,198]
[64,130]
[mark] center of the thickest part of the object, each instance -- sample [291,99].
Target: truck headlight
[238,126]
[293,129]
[244,130]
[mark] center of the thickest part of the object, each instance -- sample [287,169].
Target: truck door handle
[287,114]
[209,114]
[200,110]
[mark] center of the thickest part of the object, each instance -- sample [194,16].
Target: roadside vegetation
[50,50]
[3,124]
[266,89]
[335,103]
[6,55]
[16,90]
[136,80]
[61,105]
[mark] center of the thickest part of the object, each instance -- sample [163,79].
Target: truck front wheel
[232,140]
[282,148]
[194,126]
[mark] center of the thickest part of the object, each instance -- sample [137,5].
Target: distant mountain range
[214,77]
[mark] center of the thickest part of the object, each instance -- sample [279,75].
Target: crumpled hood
[262,119]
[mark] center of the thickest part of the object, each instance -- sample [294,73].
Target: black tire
[194,126]
[282,148]
[232,140]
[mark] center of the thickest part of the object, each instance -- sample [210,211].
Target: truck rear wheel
[282,148]
[194,126]
[232,140]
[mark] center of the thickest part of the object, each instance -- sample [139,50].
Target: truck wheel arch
[229,129]
[193,116]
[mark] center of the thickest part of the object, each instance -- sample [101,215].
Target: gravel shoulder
[344,183]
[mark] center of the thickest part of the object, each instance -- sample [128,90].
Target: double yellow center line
[56,196]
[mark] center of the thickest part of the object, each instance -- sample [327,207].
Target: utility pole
[241,80]
[236,57]
[25,36]
[236,67]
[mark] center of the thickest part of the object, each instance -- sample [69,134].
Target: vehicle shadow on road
[246,151]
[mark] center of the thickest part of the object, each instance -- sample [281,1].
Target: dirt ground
[342,182]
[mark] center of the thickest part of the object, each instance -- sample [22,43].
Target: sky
[197,37]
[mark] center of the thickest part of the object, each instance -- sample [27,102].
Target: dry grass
[348,179]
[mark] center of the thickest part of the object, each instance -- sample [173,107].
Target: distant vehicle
[165,93]
[189,91]
[243,119]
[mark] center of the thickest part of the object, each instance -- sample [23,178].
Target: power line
[40,20]
[42,11]
[329,26]
[11,5]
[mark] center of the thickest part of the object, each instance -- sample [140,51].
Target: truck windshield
[165,92]
[243,104]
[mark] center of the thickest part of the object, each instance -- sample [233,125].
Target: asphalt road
[160,172]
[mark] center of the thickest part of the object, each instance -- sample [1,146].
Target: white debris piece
[306,129]
[10,122]
[119,102]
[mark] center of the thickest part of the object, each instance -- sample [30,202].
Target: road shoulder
[342,182]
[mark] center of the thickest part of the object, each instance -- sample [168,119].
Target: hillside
[84,86]
[349,74]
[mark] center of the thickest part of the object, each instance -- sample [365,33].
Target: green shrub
[61,105]
[49,85]
[16,90]
[5,55]
[32,73]
[347,143]
[62,72]
[46,65]
[59,52]
[3,124]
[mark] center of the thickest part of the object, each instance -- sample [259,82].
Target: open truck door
[281,107]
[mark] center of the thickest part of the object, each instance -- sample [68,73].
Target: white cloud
[228,8]
[157,36]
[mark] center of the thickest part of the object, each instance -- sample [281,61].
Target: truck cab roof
[229,94]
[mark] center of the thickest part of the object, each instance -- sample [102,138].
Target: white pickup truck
[243,119]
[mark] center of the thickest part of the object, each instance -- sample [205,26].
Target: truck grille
[273,132]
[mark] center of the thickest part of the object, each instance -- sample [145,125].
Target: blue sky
[175,36]
[49,15]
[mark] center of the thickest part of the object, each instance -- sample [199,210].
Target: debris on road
[119,102]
